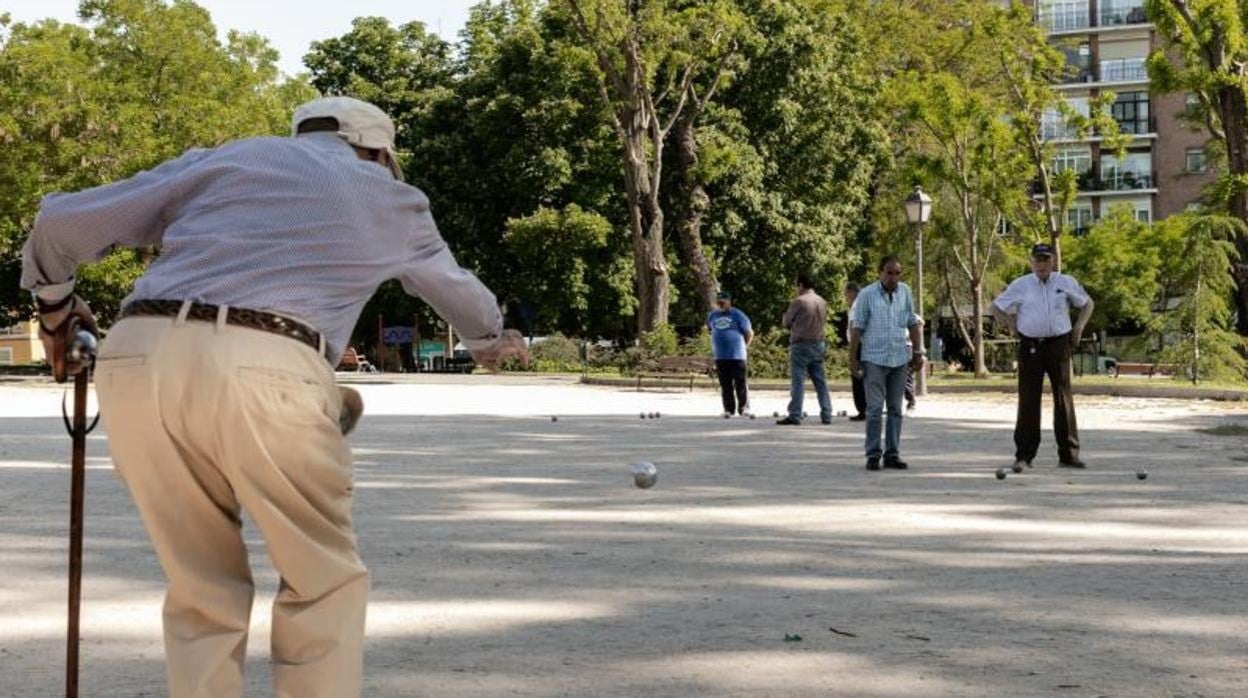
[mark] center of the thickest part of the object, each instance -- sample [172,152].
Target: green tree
[1210,39]
[142,82]
[1117,263]
[1199,334]
[650,56]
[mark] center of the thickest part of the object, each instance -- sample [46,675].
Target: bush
[661,341]
[557,349]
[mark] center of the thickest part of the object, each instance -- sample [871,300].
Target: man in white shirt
[1036,307]
[217,385]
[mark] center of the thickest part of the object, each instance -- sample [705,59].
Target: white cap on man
[359,123]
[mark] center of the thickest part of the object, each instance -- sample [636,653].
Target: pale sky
[290,25]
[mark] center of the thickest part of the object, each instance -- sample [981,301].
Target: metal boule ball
[1000,473]
[1017,467]
[645,475]
[642,415]
[1141,474]
[554,418]
[82,347]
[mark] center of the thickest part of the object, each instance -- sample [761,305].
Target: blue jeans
[884,384]
[807,358]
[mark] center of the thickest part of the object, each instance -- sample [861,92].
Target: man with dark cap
[1036,307]
[731,334]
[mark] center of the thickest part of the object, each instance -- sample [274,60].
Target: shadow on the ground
[512,556]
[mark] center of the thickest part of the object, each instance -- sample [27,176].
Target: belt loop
[223,313]
[183,312]
[320,336]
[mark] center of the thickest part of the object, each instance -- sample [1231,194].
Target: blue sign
[397,335]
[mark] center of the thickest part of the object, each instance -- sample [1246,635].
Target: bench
[1127,368]
[678,367]
[352,360]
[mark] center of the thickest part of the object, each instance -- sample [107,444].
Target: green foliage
[1201,335]
[142,82]
[1117,263]
[661,341]
[565,257]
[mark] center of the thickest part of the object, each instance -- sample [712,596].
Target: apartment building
[1164,168]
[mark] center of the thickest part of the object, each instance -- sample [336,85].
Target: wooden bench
[683,368]
[1127,368]
[352,360]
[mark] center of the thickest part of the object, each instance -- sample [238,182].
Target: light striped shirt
[297,226]
[1043,307]
[884,320]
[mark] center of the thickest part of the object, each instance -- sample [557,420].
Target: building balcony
[1117,181]
[1137,127]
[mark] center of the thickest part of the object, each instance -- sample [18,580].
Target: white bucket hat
[359,123]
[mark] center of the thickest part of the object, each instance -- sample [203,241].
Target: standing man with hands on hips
[217,384]
[882,319]
[1036,307]
[731,334]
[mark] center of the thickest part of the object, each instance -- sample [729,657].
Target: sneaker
[895,464]
[825,420]
[873,464]
[860,417]
[1076,464]
[726,414]
[1019,465]
[789,421]
[745,412]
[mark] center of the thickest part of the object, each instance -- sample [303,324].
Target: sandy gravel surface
[512,556]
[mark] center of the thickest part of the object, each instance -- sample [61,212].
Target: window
[1122,12]
[1123,70]
[1077,159]
[1061,15]
[1131,111]
[1079,219]
[1196,161]
[6,356]
[1134,171]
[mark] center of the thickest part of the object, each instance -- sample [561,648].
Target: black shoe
[1076,464]
[825,420]
[860,417]
[895,464]
[789,421]
[873,464]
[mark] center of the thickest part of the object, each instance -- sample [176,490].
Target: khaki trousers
[205,421]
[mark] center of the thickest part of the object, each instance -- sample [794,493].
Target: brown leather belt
[240,317]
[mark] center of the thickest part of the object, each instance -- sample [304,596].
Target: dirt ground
[511,554]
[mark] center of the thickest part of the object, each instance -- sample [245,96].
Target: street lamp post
[918,210]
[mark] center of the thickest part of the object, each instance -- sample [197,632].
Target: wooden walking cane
[79,345]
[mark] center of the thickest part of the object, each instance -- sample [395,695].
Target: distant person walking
[731,334]
[859,391]
[1036,307]
[883,317]
[805,320]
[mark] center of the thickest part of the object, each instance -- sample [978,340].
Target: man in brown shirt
[805,320]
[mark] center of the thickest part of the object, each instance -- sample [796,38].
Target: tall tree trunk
[646,222]
[1234,112]
[693,204]
[977,298]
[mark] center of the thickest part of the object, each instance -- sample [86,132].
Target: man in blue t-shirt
[731,333]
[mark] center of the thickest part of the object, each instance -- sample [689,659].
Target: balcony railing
[1064,19]
[1115,181]
[1123,70]
[1112,16]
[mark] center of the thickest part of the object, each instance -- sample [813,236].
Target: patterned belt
[241,317]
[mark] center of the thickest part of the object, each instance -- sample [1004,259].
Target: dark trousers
[1036,359]
[859,390]
[732,385]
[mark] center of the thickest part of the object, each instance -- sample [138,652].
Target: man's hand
[1076,336]
[53,332]
[509,344]
[855,367]
[917,359]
